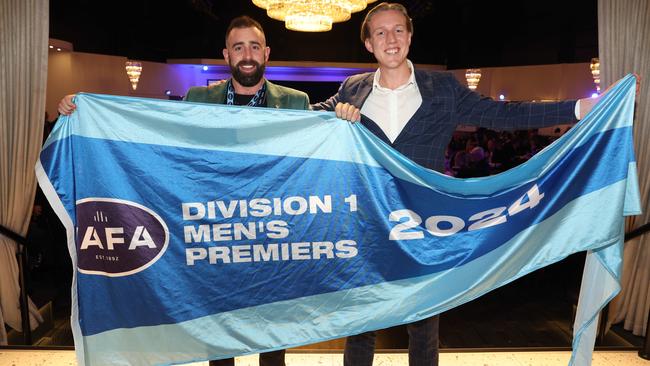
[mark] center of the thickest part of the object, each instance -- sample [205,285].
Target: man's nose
[391,37]
[248,54]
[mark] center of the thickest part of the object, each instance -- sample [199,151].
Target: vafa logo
[118,237]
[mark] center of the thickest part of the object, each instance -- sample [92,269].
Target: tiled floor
[628,358]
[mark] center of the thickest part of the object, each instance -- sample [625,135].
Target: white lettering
[241,253]
[323,247]
[227,212]
[211,211]
[260,207]
[221,232]
[112,240]
[285,251]
[315,203]
[91,238]
[141,238]
[248,232]
[194,254]
[432,225]
[265,254]
[321,250]
[277,229]
[288,205]
[197,234]
[187,211]
[216,253]
[346,249]
[300,251]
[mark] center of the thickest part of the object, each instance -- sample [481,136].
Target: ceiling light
[473,76]
[59,45]
[311,15]
[594,66]
[133,71]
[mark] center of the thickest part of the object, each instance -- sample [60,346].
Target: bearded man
[247,53]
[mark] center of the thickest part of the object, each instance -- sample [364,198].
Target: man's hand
[66,107]
[587,103]
[348,112]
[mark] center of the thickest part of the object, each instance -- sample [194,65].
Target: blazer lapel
[217,93]
[275,98]
[364,90]
[426,92]
[359,97]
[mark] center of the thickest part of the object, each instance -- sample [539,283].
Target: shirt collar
[409,82]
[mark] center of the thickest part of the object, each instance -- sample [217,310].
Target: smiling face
[389,39]
[246,53]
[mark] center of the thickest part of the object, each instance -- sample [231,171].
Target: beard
[247,79]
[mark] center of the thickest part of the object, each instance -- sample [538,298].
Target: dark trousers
[423,345]
[275,358]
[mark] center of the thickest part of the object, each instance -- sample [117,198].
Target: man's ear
[368,45]
[267,53]
[225,55]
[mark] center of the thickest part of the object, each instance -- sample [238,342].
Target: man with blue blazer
[416,112]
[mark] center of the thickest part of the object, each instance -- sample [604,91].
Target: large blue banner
[204,231]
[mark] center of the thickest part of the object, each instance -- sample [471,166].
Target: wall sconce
[133,71]
[594,66]
[472,76]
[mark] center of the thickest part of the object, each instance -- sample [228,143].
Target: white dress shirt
[391,109]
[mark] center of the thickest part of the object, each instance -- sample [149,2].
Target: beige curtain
[23,76]
[624,46]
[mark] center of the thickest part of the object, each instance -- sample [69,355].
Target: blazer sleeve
[194,94]
[293,99]
[305,102]
[331,102]
[477,110]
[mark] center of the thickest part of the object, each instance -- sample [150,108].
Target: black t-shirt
[243,99]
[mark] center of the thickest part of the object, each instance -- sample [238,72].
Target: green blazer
[277,96]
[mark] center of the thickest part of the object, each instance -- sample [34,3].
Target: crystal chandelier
[133,71]
[472,76]
[594,66]
[311,15]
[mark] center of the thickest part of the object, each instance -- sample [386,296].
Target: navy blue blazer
[445,105]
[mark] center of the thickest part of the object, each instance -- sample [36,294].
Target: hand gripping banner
[204,231]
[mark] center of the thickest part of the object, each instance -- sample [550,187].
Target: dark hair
[244,21]
[365,32]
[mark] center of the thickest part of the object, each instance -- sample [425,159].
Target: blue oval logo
[118,237]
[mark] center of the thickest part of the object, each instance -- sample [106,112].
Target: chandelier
[311,15]
[472,76]
[133,71]
[594,66]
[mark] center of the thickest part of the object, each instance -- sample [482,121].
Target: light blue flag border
[600,278]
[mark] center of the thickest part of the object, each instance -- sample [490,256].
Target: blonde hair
[365,32]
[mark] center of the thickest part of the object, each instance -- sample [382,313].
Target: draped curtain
[23,76]
[624,47]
